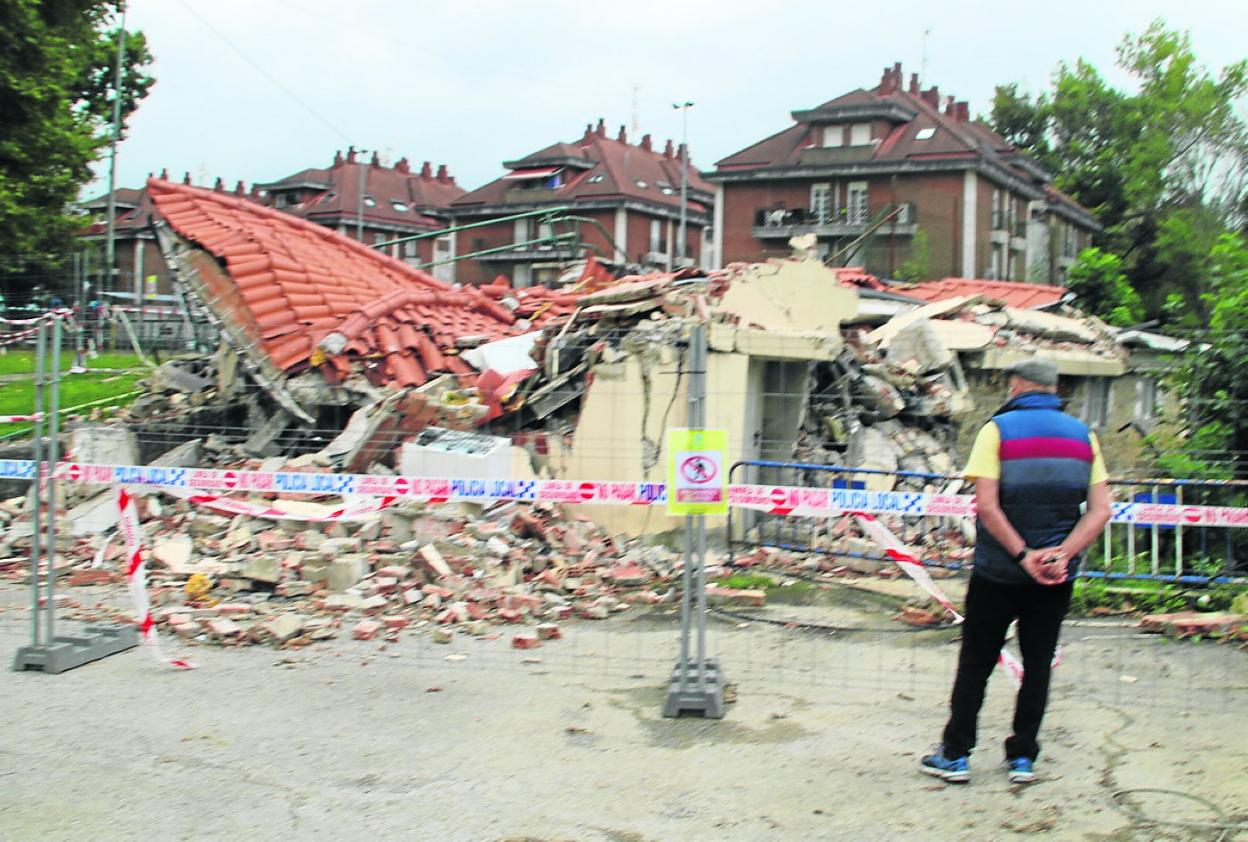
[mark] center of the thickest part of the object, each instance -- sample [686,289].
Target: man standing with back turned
[1034,467]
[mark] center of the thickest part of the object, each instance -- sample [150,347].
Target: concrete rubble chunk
[175,554]
[284,626]
[345,572]
[434,560]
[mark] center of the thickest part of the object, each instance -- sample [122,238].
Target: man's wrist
[1021,554]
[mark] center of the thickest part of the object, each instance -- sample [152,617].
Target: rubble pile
[450,568]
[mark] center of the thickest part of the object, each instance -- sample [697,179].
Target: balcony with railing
[781,223]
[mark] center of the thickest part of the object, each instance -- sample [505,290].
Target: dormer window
[834,135]
[860,134]
[370,202]
[399,206]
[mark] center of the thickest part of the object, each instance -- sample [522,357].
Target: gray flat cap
[1035,370]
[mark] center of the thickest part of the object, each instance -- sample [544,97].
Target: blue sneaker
[954,771]
[1020,770]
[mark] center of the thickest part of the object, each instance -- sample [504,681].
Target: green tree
[1213,376]
[918,265]
[1164,168]
[56,94]
[1101,288]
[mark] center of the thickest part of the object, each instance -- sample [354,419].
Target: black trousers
[990,607]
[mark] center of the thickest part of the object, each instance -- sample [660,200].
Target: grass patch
[1097,596]
[19,398]
[23,362]
[747,582]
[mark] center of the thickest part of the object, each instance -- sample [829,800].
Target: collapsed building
[335,357]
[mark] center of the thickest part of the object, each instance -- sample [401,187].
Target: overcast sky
[259,89]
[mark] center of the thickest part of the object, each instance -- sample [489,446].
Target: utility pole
[359,196]
[110,259]
[681,243]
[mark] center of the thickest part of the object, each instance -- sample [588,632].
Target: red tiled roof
[612,169]
[299,283]
[1011,293]
[400,197]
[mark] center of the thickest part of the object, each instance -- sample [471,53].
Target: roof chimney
[914,83]
[886,81]
[239,189]
[375,162]
[255,193]
[962,111]
[623,136]
[186,178]
[645,142]
[931,96]
[601,128]
[589,131]
[350,154]
[218,186]
[164,175]
[401,166]
[337,157]
[949,106]
[667,150]
[682,151]
[442,174]
[426,171]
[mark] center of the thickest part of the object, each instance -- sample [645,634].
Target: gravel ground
[476,741]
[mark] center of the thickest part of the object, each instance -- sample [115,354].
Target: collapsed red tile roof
[1011,293]
[300,282]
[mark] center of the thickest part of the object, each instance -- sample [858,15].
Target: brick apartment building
[141,270]
[890,179]
[630,193]
[392,202]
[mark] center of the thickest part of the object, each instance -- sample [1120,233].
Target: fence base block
[685,697]
[69,651]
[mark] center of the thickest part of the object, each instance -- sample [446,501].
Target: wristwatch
[1018,559]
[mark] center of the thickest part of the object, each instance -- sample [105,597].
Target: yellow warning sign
[697,479]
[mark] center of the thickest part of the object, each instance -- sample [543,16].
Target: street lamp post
[681,244]
[359,196]
[110,259]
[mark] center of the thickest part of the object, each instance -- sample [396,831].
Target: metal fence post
[47,652]
[695,687]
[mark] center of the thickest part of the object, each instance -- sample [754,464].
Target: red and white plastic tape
[13,419]
[34,320]
[136,578]
[910,564]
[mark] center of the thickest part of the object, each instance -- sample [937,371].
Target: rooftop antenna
[927,30]
[636,124]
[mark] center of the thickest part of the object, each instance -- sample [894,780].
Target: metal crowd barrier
[1183,552]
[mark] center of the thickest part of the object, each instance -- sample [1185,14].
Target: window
[279,200]
[379,237]
[856,202]
[998,221]
[1145,399]
[399,206]
[925,134]
[409,248]
[1095,411]
[641,184]
[595,179]
[860,134]
[370,202]
[833,135]
[821,210]
[656,234]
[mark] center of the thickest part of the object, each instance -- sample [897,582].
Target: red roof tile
[1010,293]
[606,169]
[299,283]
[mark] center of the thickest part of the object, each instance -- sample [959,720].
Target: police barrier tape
[12,419]
[793,501]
